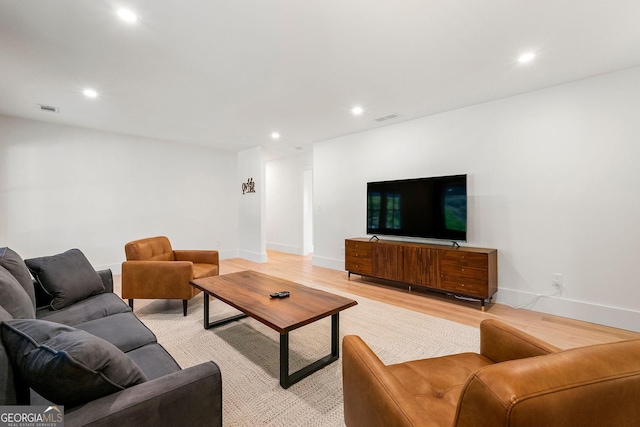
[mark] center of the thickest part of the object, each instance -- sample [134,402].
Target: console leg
[482,304]
[184,307]
[348,275]
[131,304]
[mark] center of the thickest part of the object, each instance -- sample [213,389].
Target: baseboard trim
[253,256]
[595,313]
[332,263]
[228,254]
[615,317]
[288,249]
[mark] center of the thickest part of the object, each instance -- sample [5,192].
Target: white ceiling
[227,73]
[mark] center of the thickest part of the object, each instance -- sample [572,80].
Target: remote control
[281,294]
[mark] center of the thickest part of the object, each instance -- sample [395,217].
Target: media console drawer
[476,271]
[465,286]
[358,257]
[463,259]
[465,271]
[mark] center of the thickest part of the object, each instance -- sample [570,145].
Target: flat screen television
[434,208]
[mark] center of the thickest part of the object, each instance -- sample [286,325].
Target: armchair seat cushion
[204,270]
[436,383]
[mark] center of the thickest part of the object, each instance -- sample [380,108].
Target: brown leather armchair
[153,270]
[516,380]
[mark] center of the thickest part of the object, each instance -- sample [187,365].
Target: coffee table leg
[208,324]
[335,335]
[206,310]
[287,380]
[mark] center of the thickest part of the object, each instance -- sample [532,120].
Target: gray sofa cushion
[14,298]
[13,262]
[123,330]
[94,307]
[65,365]
[68,277]
[154,361]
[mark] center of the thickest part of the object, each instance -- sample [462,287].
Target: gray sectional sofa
[67,339]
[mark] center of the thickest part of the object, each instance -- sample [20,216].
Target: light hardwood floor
[559,331]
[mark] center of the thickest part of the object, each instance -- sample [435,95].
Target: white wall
[252,214]
[285,203]
[63,187]
[553,181]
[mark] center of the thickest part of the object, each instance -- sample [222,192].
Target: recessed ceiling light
[127,15]
[90,93]
[275,135]
[527,57]
[357,110]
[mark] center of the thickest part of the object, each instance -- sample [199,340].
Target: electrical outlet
[556,280]
[342,250]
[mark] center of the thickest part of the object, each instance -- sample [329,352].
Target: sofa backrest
[7,388]
[589,386]
[150,249]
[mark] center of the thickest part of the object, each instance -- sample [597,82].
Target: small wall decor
[249,186]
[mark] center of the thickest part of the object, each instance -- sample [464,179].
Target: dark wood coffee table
[248,291]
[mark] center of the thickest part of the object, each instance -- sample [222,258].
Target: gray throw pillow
[66,365]
[14,298]
[67,277]
[13,262]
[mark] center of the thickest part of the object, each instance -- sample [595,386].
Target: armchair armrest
[372,395]
[501,342]
[589,386]
[155,279]
[198,256]
[191,397]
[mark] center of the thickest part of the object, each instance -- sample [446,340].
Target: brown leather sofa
[153,270]
[516,380]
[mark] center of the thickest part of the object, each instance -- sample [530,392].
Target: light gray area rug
[248,355]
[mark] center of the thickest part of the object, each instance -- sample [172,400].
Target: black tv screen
[433,208]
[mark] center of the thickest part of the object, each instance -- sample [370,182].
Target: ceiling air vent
[387,117]
[49,108]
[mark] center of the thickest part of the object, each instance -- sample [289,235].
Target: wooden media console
[464,271]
